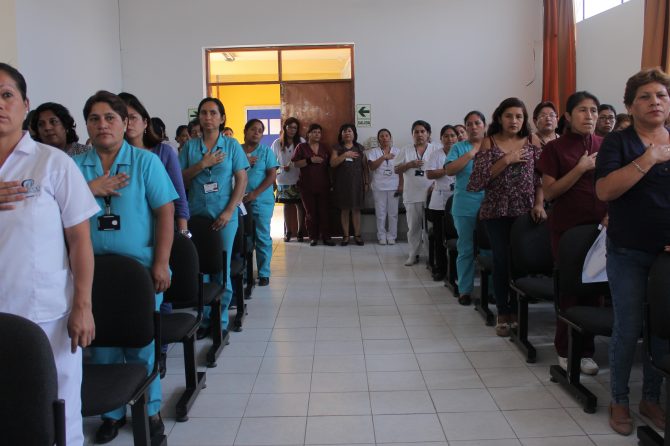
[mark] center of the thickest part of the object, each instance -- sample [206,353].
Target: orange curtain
[559,72]
[655,43]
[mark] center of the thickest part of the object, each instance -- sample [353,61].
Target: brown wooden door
[330,104]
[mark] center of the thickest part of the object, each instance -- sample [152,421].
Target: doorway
[312,83]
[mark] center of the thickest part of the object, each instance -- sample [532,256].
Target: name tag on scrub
[210,187]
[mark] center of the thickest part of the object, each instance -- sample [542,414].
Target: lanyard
[108,198]
[420,158]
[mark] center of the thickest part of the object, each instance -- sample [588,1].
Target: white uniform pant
[416,233]
[386,205]
[69,367]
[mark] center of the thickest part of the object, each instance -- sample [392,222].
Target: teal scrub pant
[465,263]
[262,215]
[144,355]
[228,236]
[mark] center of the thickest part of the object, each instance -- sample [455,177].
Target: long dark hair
[496,126]
[283,136]
[149,138]
[219,105]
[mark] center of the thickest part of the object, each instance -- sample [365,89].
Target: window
[585,9]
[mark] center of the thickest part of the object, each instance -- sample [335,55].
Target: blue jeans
[499,230]
[627,271]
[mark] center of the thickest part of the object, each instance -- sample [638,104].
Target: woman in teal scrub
[209,166]
[143,204]
[259,196]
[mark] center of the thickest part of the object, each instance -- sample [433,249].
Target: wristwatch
[186,233]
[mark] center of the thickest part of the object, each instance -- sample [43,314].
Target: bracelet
[639,169]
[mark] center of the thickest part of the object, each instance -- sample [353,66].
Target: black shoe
[313,242]
[359,241]
[263,281]
[438,276]
[162,364]
[301,238]
[202,332]
[287,237]
[465,299]
[329,242]
[109,430]
[156,426]
[345,241]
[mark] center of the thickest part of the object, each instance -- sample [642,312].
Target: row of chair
[124,312]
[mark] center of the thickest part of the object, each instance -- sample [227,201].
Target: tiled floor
[348,346]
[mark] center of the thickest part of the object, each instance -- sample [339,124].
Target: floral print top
[510,194]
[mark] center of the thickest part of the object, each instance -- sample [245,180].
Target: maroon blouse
[579,204]
[510,194]
[313,177]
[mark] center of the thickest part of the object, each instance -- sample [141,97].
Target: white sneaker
[382,242]
[589,366]
[411,260]
[390,241]
[563,363]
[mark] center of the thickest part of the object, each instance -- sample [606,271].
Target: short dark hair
[219,105]
[180,129]
[540,106]
[475,112]
[621,118]
[192,123]
[63,115]
[384,130]
[283,137]
[641,78]
[108,98]
[444,129]
[18,78]
[343,127]
[314,126]
[150,139]
[251,122]
[576,98]
[496,126]
[231,130]
[423,124]
[603,107]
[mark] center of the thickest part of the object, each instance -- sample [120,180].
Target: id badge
[388,173]
[109,222]
[349,159]
[211,187]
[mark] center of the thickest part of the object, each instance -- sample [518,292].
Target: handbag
[594,269]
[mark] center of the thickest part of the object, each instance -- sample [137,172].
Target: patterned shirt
[510,194]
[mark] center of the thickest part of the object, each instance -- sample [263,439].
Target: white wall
[429,59]
[8,49]
[67,50]
[609,50]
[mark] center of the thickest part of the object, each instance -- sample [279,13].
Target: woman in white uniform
[442,190]
[45,245]
[411,163]
[386,187]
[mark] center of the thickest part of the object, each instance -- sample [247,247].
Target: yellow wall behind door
[236,97]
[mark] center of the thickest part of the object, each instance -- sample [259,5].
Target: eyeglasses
[547,116]
[607,118]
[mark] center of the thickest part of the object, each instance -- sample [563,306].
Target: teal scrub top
[212,204]
[466,204]
[149,188]
[256,173]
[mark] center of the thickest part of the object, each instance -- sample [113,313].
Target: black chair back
[185,266]
[121,308]
[208,244]
[530,248]
[30,384]
[572,249]
[449,227]
[658,288]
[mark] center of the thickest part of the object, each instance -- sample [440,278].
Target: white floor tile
[331,430]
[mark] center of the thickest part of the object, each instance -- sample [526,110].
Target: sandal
[359,241]
[345,241]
